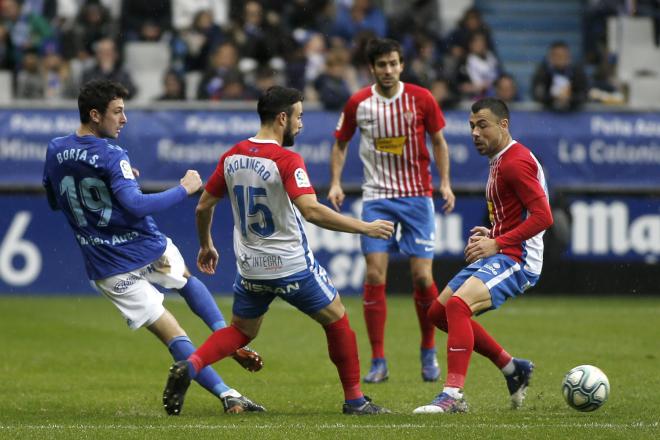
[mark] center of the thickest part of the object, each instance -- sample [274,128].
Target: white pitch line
[524,426]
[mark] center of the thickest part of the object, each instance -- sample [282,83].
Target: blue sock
[181,347]
[357,402]
[201,302]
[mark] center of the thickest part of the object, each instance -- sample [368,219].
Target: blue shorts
[504,277]
[414,217]
[309,291]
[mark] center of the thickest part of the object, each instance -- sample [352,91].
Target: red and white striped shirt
[518,206]
[262,179]
[393,139]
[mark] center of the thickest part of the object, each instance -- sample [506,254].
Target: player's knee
[375,276]
[421,279]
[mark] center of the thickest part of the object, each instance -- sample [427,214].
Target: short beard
[288,138]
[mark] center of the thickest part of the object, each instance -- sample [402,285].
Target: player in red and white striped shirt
[394,119]
[505,260]
[269,190]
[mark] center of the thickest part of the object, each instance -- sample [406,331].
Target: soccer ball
[585,388]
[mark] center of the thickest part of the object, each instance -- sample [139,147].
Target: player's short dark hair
[97,94]
[497,106]
[275,100]
[382,46]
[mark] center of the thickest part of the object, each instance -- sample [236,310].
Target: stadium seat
[192,82]
[149,85]
[146,56]
[6,88]
[644,93]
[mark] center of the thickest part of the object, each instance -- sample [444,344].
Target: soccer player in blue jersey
[92,182]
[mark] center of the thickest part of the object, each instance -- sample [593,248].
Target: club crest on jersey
[408,116]
[126,170]
[301,178]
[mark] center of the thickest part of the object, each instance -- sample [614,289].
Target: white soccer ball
[585,388]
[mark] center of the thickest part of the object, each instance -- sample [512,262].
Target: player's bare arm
[207,257]
[337,159]
[441,157]
[322,216]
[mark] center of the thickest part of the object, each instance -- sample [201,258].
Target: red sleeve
[434,119]
[294,176]
[525,183]
[216,184]
[347,121]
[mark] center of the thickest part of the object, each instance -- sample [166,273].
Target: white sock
[509,368]
[232,392]
[453,392]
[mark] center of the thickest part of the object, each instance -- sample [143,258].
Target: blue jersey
[82,175]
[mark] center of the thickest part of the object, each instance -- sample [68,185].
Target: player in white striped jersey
[269,189]
[394,118]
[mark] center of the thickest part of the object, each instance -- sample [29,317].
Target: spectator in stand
[315,55]
[29,83]
[198,40]
[559,84]
[260,36]
[506,89]
[332,89]
[107,66]
[56,76]
[313,15]
[425,67]
[145,20]
[361,16]
[458,40]
[444,93]
[174,87]
[185,11]
[481,67]
[223,60]
[27,28]
[235,89]
[92,24]
[265,78]
[6,48]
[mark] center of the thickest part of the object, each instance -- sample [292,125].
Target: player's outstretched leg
[444,403]
[177,384]
[202,303]
[518,381]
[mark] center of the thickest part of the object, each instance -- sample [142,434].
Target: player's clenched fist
[380,229]
[191,181]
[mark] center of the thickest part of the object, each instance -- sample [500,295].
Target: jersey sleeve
[347,121]
[522,176]
[216,185]
[434,119]
[294,176]
[120,172]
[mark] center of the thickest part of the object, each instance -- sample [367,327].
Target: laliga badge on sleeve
[126,169]
[301,178]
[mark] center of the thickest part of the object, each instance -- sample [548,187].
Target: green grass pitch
[71,369]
